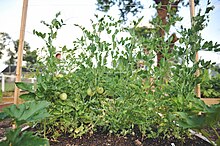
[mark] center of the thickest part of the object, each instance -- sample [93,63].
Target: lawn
[9,86]
[9,89]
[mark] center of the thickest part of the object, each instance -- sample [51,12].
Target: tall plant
[102,85]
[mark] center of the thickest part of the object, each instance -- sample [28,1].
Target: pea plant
[102,86]
[210,85]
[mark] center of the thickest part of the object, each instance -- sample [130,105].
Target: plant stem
[215,132]
[207,136]
[45,128]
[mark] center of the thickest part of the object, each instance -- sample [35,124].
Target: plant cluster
[26,113]
[202,120]
[210,86]
[100,85]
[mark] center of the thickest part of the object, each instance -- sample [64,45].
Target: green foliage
[206,117]
[27,112]
[23,114]
[125,7]
[26,46]
[4,42]
[31,58]
[16,137]
[210,87]
[9,87]
[106,57]
[25,86]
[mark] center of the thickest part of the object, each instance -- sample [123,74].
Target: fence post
[32,80]
[3,82]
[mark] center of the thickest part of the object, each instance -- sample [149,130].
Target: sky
[80,12]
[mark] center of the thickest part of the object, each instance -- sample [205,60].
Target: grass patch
[9,87]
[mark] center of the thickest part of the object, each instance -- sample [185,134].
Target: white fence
[11,78]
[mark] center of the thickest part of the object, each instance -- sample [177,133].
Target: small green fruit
[89,92]
[59,75]
[63,96]
[100,90]
[54,78]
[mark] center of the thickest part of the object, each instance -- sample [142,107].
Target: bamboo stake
[192,14]
[20,49]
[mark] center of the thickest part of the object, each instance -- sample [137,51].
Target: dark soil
[103,139]
[3,126]
[99,139]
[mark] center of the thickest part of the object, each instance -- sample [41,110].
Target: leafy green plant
[24,114]
[210,87]
[207,117]
[104,87]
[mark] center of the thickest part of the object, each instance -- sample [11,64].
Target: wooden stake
[192,10]
[20,49]
[192,14]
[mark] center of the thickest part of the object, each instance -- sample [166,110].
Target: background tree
[134,6]
[5,45]
[26,46]
[12,57]
[4,42]
[125,6]
[29,56]
[165,9]
[11,48]
[12,52]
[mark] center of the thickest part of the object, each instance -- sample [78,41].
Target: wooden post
[20,49]
[192,14]
[192,10]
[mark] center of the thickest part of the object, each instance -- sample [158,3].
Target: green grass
[9,87]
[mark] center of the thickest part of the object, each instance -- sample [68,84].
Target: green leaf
[54,35]
[218,141]
[3,116]
[28,111]
[208,9]
[25,86]
[13,136]
[58,14]
[18,138]
[28,139]
[4,143]
[28,96]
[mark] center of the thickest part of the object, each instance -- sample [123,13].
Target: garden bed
[98,139]
[104,139]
